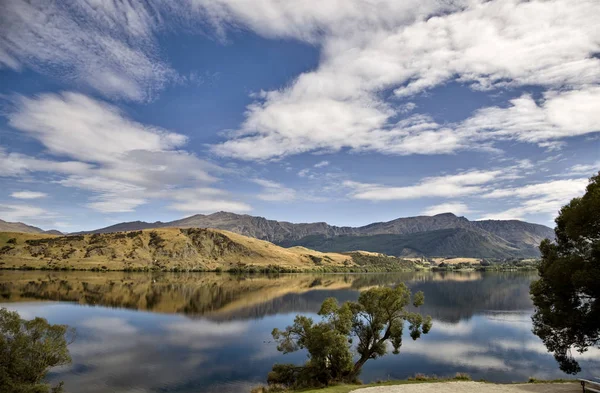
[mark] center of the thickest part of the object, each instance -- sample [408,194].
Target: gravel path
[475,387]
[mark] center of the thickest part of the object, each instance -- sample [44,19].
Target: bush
[5,249]
[462,377]
[155,240]
[133,234]
[316,260]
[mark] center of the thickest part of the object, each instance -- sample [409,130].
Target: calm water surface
[211,333]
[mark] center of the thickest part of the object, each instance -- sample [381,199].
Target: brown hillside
[159,249]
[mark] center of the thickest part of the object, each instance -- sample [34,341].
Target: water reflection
[208,332]
[451,296]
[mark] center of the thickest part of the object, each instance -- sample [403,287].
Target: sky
[344,111]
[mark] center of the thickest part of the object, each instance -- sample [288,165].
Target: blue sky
[347,112]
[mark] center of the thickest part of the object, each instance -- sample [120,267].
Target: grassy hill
[175,249]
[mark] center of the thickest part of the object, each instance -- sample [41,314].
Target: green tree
[27,350]
[567,314]
[376,318]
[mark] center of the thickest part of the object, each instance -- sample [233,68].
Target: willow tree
[567,295]
[348,336]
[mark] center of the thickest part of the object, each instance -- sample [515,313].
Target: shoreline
[256,270]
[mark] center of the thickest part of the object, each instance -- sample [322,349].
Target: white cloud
[304,172]
[115,204]
[559,188]
[540,198]
[122,163]
[77,126]
[108,46]
[28,195]
[581,169]
[485,44]
[560,115]
[408,107]
[20,212]
[275,192]
[321,164]
[366,48]
[551,146]
[314,20]
[450,186]
[15,164]
[458,208]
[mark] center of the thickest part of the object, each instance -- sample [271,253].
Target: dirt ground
[475,387]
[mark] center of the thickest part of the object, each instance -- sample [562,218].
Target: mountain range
[6,226]
[440,235]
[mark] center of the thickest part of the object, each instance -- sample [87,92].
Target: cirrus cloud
[461,184]
[108,46]
[537,198]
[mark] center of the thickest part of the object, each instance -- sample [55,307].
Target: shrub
[462,377]
[5,249]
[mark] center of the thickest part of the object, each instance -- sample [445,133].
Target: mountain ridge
[482,239]
[6,226]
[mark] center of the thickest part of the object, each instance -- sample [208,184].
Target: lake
[200,332]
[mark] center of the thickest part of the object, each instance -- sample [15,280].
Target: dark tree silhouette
[567,314]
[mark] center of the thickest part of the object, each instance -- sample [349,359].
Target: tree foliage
[362,328]
[27,350]
[566,296]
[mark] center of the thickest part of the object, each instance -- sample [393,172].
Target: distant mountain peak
[448,214]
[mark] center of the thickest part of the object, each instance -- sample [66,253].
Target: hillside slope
[170,249]
[452,242]
[519,233]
